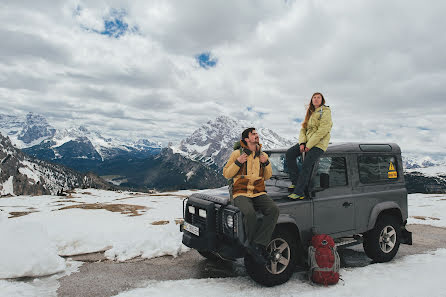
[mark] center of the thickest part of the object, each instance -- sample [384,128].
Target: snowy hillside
[20,174]
[212,143]
[128,225]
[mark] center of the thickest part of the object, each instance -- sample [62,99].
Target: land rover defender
[356,194]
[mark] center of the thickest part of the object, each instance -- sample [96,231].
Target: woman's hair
[311,109]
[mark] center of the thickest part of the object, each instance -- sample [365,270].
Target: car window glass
[374,169]
[336,169]
[279,165]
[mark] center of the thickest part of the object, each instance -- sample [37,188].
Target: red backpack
[324,260]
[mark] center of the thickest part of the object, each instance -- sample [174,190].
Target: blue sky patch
[206,61]
[261,114]
[114,23]
[423,129]
[258,113]
[298,120]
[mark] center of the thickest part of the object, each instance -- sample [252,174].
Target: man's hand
[302,148]
[263,158]
[242,159]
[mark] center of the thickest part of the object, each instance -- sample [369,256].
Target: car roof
[354,147]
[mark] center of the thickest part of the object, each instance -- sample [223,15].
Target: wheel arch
[288,223]
[385,208]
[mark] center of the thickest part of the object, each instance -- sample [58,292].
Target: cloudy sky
[162,68]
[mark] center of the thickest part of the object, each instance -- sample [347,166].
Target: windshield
[278,164]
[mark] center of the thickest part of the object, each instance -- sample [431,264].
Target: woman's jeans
[300,180]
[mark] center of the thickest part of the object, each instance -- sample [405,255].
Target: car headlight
[191,209]
[230,221]
[202,213]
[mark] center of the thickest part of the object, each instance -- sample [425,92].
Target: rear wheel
[283,259]
[382,242]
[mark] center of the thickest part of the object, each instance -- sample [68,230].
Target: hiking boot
[294,196]
[259,254]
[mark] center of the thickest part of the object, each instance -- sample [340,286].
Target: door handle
[347,204]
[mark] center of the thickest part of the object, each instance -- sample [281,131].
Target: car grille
[198,221]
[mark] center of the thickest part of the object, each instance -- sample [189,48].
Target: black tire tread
[261,275]
[371,239]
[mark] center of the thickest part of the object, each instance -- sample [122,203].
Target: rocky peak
[212,143]
[23,175]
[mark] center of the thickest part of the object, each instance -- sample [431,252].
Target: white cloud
[380,65]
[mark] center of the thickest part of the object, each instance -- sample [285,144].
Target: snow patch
[190,174]
[8,187]
[26,250]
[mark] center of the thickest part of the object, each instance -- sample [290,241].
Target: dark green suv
[356,194]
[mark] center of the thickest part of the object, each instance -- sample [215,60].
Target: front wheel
[382,242]
[283,259]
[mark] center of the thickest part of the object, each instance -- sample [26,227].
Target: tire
[210,256]
[283,246]
[382,242]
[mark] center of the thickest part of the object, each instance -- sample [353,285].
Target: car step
[347,242]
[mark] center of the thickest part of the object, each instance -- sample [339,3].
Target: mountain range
[196,162]
[24,175]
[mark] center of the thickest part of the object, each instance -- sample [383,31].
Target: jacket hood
[246,149]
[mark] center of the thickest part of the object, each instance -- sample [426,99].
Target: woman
[313,140]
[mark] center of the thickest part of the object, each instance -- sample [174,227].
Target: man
[249,170]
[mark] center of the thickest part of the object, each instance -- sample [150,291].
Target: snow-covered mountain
[33,134]
[26,131]
[412,161]
[213,142]
[107,148]
[23,175]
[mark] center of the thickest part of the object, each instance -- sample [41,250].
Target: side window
[376,169]
[336,169]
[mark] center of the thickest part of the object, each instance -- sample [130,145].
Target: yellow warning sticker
[392,174]
[391,167]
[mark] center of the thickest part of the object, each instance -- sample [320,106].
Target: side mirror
[325,180]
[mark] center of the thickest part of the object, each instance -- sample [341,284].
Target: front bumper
[212,234]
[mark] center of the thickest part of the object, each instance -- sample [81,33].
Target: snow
[427,209]
[433,171]
[29,172]
[27,250]
[7,187]
[147,232]
[127,225]
[190,174]
[397,279]
[42,286]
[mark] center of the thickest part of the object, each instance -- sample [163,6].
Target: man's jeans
[258,234]
[301,180]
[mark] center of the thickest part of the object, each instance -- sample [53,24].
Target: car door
[333,206]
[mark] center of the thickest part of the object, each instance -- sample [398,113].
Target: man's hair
[245,134]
